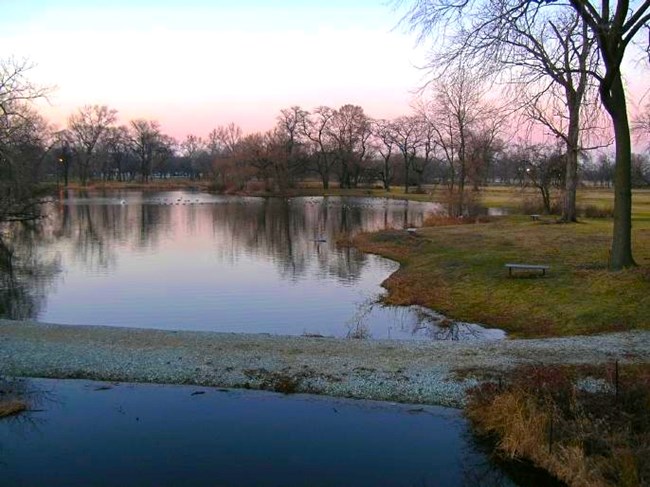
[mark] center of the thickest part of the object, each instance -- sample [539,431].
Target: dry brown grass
[11,407]
[585,438]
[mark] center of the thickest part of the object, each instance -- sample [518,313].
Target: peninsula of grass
[459,271]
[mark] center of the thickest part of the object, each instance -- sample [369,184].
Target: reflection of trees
[415,321]
[290,231]
[298,235]
[424,322]
[25,273]
[285,231]
[95,229]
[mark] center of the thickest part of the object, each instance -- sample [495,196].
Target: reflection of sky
[119,433]
[225,264]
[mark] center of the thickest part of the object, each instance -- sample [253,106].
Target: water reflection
[416,321]
[25,272]
[182,260]
[204,436]
[285,231]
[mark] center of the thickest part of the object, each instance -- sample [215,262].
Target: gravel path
[416,372]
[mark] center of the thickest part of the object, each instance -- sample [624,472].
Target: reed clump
[586,427]
[11,407]
[12,397]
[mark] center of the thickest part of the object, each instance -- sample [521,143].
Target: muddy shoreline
[416,372]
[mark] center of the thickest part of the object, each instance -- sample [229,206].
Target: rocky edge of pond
[433,372]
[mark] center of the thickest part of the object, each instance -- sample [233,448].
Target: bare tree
[228,137]
[86,127]
[460,121]
[544,167]
[223,144]
[147,144]
[63,154]
[408,140]
[547,58]
[195,156]
[351,130]
[317,129]
[613,24]
[565,104]
[259,151]
[640,170]
[288,137]
[641,126]
[429,144]
[384,136]
[24,142]
[116,147]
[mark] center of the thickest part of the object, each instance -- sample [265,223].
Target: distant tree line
[453,139]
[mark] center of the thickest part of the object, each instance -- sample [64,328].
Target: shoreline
[436,373]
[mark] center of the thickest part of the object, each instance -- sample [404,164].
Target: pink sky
[197,64]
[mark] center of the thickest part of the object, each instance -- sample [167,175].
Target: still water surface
[194,261]
[90,433]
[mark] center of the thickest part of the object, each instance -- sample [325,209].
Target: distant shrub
[532,205]
[467,204]
[592,211]
[256,186]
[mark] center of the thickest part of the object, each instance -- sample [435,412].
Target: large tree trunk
[324,174]
[569,213]
[406,174]
[386,174]
[614,101]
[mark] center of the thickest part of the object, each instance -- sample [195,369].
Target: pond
[92,433]
[194,261]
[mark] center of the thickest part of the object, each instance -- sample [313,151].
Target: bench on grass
[527,267]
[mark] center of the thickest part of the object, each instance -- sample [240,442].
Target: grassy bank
[588,426]
[459,270]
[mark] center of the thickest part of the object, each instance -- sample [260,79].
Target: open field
[601,198]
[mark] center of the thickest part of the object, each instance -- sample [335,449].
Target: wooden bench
[535,217]
[531,267]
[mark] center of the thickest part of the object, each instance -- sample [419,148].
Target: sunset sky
[197,64]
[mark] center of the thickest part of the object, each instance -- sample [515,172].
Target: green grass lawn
[459,270]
